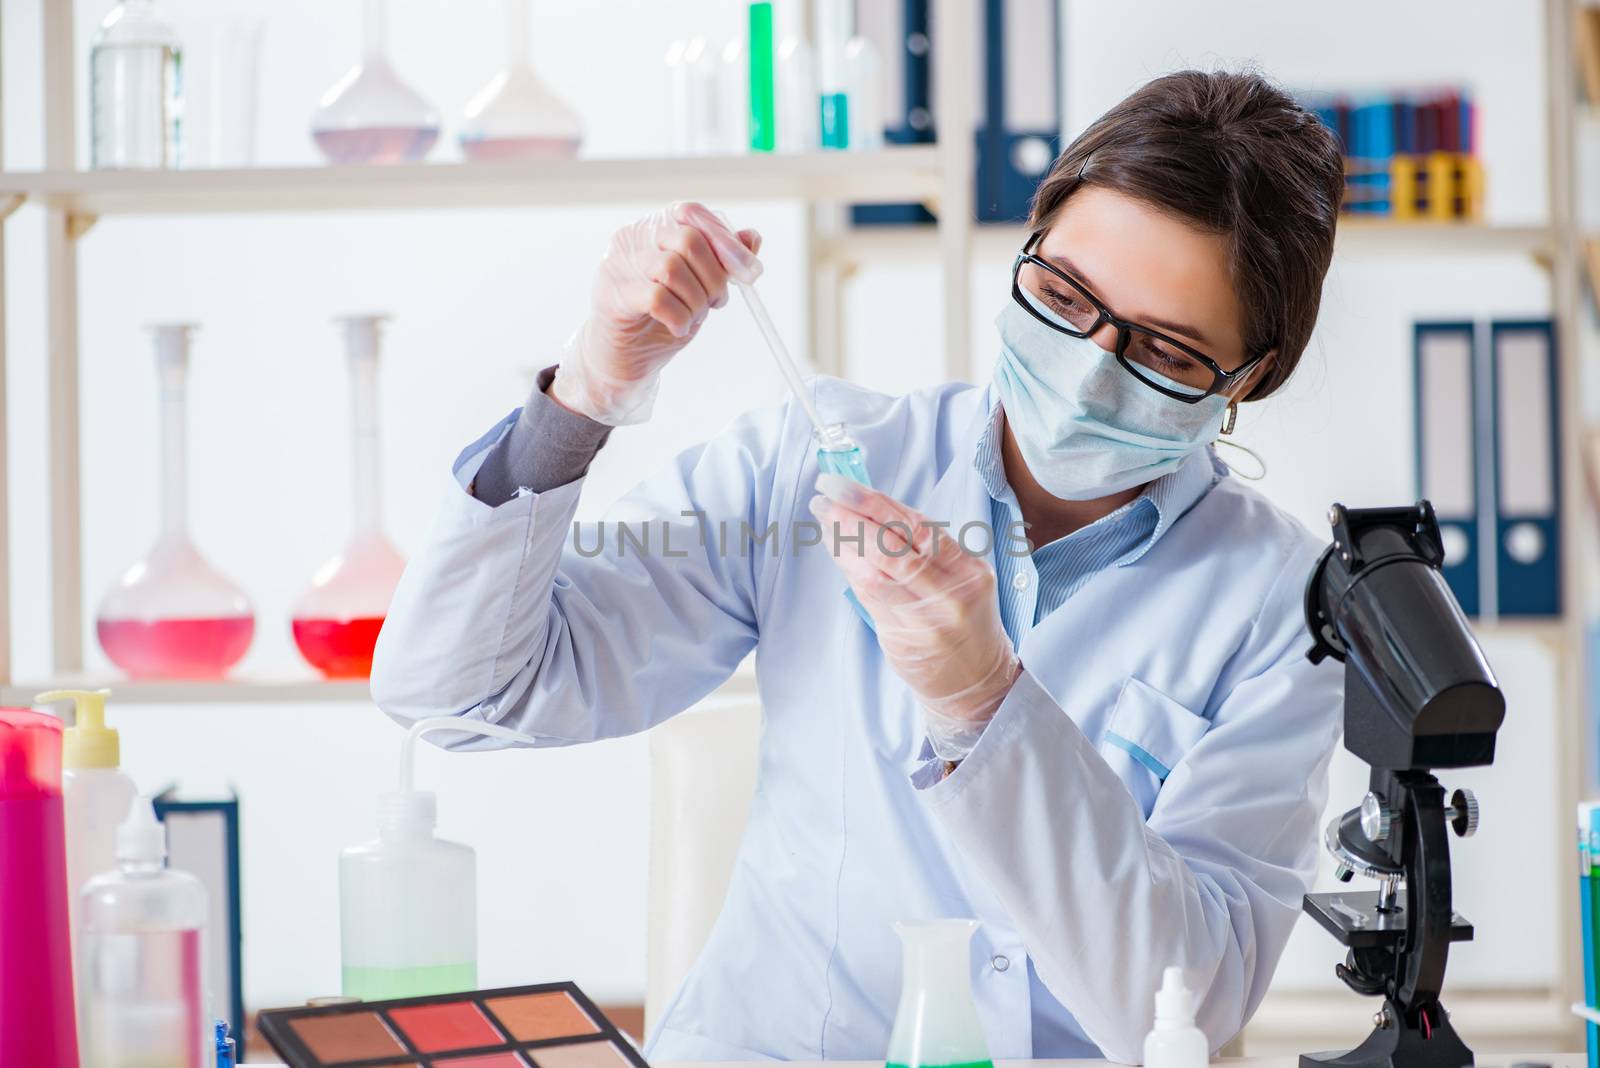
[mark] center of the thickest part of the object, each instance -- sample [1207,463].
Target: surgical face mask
[1086,427]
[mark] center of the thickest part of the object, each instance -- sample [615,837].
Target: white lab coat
[1060,832]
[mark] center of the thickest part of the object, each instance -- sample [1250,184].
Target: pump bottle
[1175,1041]
[141,986]
[96,791]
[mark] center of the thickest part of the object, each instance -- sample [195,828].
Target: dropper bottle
[142,989]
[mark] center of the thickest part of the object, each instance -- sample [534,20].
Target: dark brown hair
[1234,155]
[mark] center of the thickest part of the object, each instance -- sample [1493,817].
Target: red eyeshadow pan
[445,1026]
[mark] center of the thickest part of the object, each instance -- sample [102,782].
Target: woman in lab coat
[1104,741]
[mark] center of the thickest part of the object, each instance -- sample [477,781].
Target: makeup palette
[548,1026]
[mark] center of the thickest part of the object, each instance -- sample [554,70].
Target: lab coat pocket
[1147,735]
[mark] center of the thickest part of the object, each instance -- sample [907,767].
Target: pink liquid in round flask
[171,615]
[337,619]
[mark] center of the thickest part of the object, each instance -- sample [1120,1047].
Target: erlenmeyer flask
[515,116]
[336,621]
[172,615]
[936,1025]
[370,115]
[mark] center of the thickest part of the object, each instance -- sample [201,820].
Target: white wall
[481,296]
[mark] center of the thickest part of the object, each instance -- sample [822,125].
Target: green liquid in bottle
[381,984]
[962,1064]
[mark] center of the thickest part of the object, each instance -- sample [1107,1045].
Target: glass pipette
[836,451]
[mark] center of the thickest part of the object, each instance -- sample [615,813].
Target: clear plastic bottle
[135,90]
[336,621]
[370,115]
[172,615]
[515,116]
[936,1024]
[142,985]
[408,923]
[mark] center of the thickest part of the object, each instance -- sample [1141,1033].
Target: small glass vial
[837,453]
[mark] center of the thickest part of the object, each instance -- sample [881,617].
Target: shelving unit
[75,201]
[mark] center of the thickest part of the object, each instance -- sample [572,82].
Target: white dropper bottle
[1175,1041]
[142,985]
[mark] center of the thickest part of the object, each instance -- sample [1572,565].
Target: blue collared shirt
[1032,585]
[1090,867]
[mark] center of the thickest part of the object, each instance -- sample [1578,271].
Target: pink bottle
[36,1016]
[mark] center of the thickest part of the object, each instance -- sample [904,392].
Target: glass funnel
[936,1025]
[172,615]
[336,621]
[515,116]
[370,115]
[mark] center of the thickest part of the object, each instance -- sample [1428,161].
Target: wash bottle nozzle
[88,743]
[142,837]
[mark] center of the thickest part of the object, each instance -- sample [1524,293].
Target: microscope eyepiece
[1418,692]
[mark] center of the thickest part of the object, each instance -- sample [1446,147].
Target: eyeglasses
[1165,364]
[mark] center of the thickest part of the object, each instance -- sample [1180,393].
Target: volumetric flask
[936,1024]
[172,615]
[515,116]
[370,115]
[336,621]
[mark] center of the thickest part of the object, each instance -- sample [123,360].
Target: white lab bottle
[96,792]
[141,980]
[1175,1041]
[408,921]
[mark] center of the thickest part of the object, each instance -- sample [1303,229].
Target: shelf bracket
[80,223]
[9,206]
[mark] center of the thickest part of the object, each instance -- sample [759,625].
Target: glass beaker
[370,115]
[135,90]
[336,621]
[172,615]
[514,115]
[936,1024]
[222,65]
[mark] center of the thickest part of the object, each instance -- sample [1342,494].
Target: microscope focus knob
[1376,820]
[1464,813]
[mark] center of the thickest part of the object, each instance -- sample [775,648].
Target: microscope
[1419,695]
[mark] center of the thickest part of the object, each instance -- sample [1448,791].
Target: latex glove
[934,606]
[659,279]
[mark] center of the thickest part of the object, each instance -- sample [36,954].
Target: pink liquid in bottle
[176,648]
[37,1026]
[339,648]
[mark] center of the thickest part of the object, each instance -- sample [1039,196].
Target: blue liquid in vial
[850,463]
[847,462]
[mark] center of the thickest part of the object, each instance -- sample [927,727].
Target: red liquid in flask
[339,648]
[176,648]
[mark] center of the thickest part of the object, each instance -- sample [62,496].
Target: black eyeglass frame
[1220,379]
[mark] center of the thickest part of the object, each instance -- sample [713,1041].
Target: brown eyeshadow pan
[354,1036]
[531,1017]
[579,1055]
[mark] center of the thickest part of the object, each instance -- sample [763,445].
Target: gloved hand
[934,606]
[658,281]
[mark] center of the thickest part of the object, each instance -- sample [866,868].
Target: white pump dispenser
[1175,1041]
